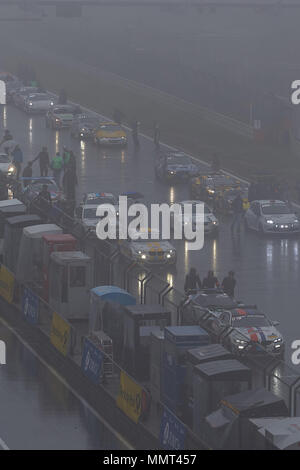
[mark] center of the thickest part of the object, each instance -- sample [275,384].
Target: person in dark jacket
[210,281]
[69,183]
[17,157]
[27,173]
[192,281]
[229,283]
[44,160]
[238,212]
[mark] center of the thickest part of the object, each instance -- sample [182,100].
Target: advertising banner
[7,282]
[60,334]
[172,432]
[131,397]
[30,306]
[92,361]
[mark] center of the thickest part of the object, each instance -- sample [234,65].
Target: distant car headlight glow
[270,221]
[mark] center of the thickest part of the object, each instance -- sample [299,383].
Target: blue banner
[30,306]
[172,432]
[92,360]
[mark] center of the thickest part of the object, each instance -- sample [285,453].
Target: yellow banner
[60,333]
[130,397]
[7,282]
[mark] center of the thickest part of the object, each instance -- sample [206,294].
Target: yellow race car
[110,133]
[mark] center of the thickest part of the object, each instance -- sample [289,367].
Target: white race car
[38,103]
[251,331]
[271,217]
[211,224]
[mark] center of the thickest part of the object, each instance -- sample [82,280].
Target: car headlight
[51,103]
[277,340]
[215,222]
[211,191]
[143,256]
[296,221]
[240,341]
[30,104]
[57,120]
[11,170]
[270,221]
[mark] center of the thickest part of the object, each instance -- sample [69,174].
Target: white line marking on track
[76,394]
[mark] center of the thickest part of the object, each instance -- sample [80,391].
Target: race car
[83,126]
[6,165]
[149,252]
[60,116]
[31,187]
[208,186]
[38,103]
[20,96]
[268,216]
[230,194]
[175,166]
[242,329]
[87,217]
[252,331]
[110,133]
[100,198]
[211,224]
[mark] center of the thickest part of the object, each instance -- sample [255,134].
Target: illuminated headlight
[215,222]
[277,340]
[277,346]
[211,191]
[51,103]
[240,341]
[57,120]
[296,221]
[171,172]
[11,170]
[143,256]
[30,104]
[270,221]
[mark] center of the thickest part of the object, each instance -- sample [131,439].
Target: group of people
[268,189]
[193,282]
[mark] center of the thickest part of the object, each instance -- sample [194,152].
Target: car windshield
[90,213]
[38,186]
[102,200]
[207,209]
[248,321]
[63,110]
[89,122]
[109,128]
[39,97]
[221,300]
[178,160]
[4,158]
[272,209]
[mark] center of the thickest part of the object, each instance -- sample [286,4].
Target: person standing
[57,166]
[17,158]
[210,281]
[229,283]
[69,183]
[27,173]
[238,212]
[65,156]
[44,160]
[192,281]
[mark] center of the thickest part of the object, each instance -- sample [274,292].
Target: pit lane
[267,269]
